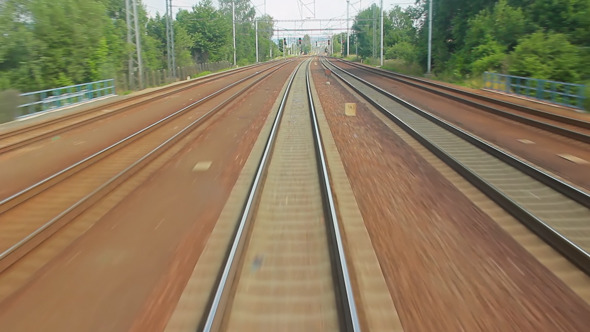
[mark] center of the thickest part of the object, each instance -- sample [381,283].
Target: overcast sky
[293,10]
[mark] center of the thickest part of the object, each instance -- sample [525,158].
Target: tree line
[546,39]
[52,43]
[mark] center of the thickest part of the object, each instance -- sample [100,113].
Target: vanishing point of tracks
[304,282]
[290,208]
[555,210]
[286,265]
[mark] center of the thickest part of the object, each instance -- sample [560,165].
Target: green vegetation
[9,101]
[402,67]
[546,39]
[51,43]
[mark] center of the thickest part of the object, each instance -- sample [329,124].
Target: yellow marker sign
[350,109]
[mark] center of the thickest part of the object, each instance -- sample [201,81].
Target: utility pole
[129,42]
[168,48]
[332,45]
[429,35]
[233,18]
[170,39]
[356,45]
[138,44]
[347,29]
[381,8]
[256,24]
[374,30]
[133,38]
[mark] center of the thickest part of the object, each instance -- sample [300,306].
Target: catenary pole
[233,18]
[347,29]
[138,44]
[429,35]
[168,52]
[129,42]
[381,8]
[256,24]
[172,48]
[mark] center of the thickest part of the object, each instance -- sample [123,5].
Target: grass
[203,73]
[400,66]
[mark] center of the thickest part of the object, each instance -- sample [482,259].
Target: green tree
[183,42]
[449,27]
[306,44]
[400,35]
[245,30]
[366,27]
[491,34]
[265,34]
[336,44]
[47,44]
[210,32]
[546,56]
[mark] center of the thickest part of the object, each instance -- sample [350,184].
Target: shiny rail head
[349,315]
[570,250]
[215,311]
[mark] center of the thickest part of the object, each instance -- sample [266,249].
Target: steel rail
[344,294]
[570,250]
[563,187]
[101,191]
[167,91]
[522,108]
[585,138]
[213,319]
[34,189]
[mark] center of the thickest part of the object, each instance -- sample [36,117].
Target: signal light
[299,41]
[328,41]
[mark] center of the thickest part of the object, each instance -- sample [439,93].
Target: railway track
[34,214]
[94,136]
[286,267]
[554,210]
[565,126]
[20,137]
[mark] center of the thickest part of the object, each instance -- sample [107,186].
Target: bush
[402,67]
[243,62]
[9,102]
[546,56]
[402,50]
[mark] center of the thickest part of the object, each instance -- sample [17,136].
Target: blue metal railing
[45,100]
[561,93]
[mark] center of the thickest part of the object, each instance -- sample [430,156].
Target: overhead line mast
[134,39]
[170,50]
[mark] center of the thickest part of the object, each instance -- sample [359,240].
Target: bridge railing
[567,94]
[50,99]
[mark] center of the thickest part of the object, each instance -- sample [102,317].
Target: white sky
[294,10]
